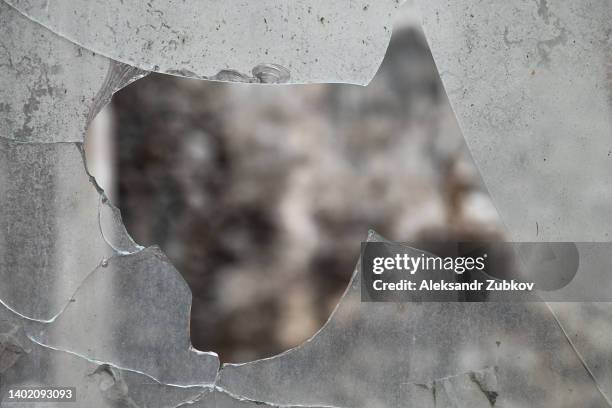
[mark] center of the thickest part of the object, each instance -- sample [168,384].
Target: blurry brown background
[261,195]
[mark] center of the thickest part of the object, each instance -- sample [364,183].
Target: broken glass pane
[51,240]
[366,353]
[267,41]
[50,88]
[259,194]
[132,312]
[24,363]
[529,81]
[113,230]
[114,316]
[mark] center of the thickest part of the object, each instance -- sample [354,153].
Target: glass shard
[132,312]
[529,82]
[24,363]
[366,353]
[113,230]
[266,41]
[49,87]
[50,236]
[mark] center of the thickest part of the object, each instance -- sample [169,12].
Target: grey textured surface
[260,195]
[133,312]
[49,87]
[97,385]
[49,213]
[314,40]
[528,81]
[531,89]
[367,353]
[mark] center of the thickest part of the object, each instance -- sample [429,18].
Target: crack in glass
[84,305]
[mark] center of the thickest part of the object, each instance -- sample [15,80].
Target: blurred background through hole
[261,195]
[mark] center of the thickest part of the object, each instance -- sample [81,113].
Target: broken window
[260,195]
[86,306]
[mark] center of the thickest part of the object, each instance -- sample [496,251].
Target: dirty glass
[268,41]
[84,305]
[529,81]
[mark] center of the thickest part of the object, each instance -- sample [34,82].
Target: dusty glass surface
[529,82]
[50,88]
[363,357]
[260,195]
[265,41]
[27,364]
[49,217]
[129,312]
[90,308]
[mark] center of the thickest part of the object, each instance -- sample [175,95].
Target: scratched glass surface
[530,84]
[269,41]
[84,305]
